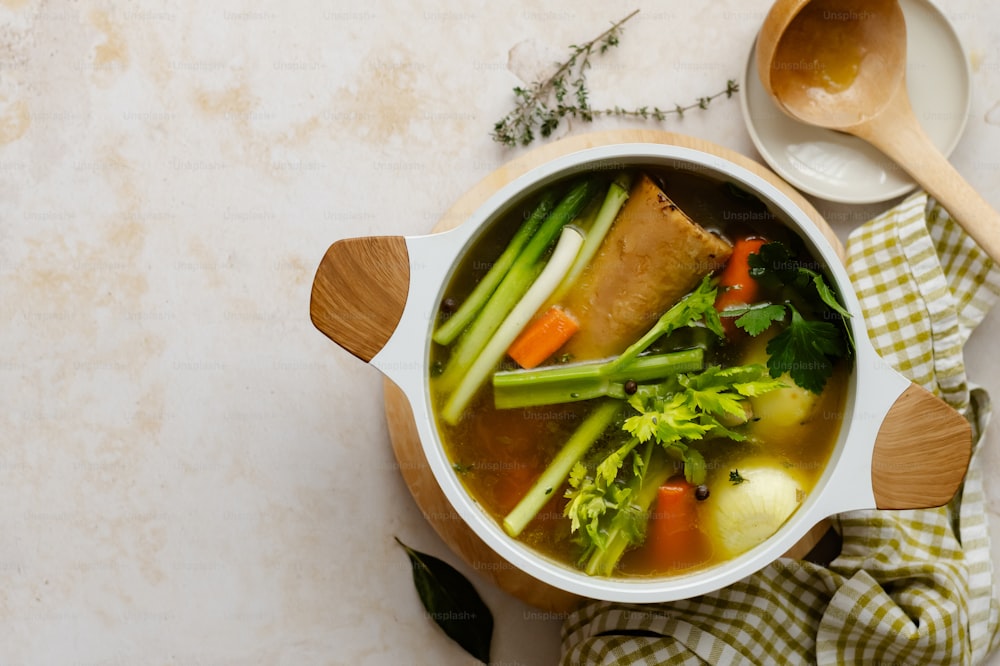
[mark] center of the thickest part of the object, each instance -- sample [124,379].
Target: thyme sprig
[656,113]
[542,105]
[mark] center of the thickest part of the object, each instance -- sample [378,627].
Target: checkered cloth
[909,587]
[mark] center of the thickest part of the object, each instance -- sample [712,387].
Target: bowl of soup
[639,372]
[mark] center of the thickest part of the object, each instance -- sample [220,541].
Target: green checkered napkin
[909,587]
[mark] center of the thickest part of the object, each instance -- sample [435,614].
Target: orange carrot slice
[542,337]
[673,538]
[736,286]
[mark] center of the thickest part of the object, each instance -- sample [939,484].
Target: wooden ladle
[841,64]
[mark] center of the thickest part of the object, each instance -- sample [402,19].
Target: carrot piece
[673,538]
[512,485]
[542,337]
[736,286]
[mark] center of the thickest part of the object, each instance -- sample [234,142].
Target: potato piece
[783,408]
[653,255]
[789,406]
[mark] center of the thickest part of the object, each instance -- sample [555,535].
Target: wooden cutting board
[402,429]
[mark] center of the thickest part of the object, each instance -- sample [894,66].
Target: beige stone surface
[189,472]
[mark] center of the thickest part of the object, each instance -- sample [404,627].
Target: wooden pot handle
[359,292]
[921,453]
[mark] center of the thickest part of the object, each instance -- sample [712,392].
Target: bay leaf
[452,602]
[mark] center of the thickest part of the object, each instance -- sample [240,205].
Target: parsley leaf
[757,319]
[772,263]
[827,294]
[775,263]
[804,350]
[808,347]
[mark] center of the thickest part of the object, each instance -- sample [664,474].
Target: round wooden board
[402,429]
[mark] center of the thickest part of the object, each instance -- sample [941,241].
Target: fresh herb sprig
[607,507]
[806,350]
[775,262]
[607,514]
[656,113]
[697,308]
[808,346]
[541,106]
[703,404]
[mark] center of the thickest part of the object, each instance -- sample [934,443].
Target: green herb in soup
[608,366]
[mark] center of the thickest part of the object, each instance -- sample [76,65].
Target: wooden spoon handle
[921,452]
[359,292]
[897,133]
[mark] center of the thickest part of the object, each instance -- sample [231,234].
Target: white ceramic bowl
[426,264]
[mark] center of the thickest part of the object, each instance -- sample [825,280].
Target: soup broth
[500,452]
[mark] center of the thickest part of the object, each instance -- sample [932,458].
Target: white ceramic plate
[839,167]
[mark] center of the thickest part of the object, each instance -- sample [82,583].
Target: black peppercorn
[631,387]
[701,493]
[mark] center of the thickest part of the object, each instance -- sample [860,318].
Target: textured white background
[189,472]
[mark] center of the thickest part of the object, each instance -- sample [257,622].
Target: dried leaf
[452,602]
